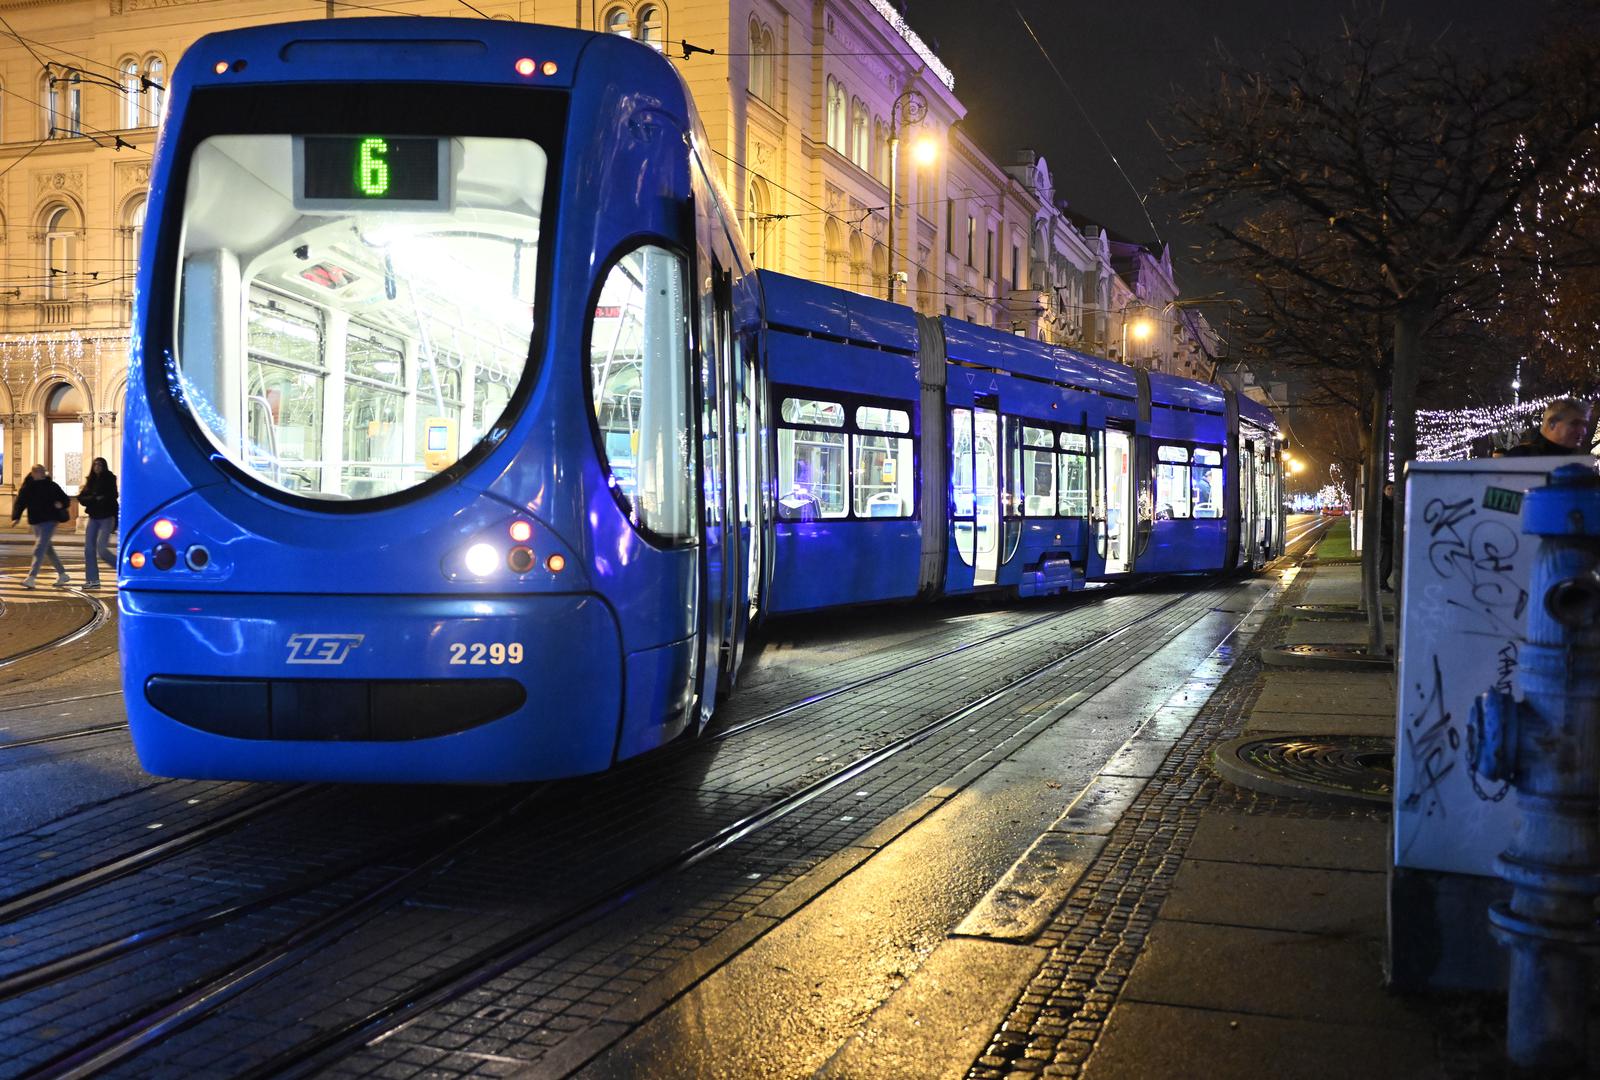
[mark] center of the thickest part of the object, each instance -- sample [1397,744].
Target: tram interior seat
[885,504]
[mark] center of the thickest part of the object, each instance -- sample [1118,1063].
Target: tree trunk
[1375,445]
[1410,318]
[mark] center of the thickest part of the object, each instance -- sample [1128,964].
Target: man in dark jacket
[42,499]
[1560,433]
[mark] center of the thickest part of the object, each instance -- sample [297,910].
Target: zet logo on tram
[322,648]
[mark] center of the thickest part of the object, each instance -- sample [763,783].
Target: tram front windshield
[355,312]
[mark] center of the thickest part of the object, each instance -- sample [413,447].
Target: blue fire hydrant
[1548,747]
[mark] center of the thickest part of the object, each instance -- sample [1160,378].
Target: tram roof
[796,304]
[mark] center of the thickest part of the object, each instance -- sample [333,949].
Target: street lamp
[1143,327]
[913,107]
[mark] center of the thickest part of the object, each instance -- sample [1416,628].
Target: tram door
[1119,520]
[986,492]
[1247,504]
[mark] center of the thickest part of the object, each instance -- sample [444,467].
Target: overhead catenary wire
[1143,209]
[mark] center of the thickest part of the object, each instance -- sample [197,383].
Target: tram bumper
[371,688]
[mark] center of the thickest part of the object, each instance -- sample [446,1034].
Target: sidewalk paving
[1212,931]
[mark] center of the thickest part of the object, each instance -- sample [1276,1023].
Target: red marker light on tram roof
[549,67]
[221,67]
[555,564]
[520,531]
[163,529]
[136,560]
[527,66]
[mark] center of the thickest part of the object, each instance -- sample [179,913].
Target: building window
[988,256]
[63,105]
[155,90]
[132,238]
[759,224]
[761,62]
[860,147]
[60,251]
[144,90]
[950,226]
[972,237]
[1016,266]
[617,22]
[132,103]
[652,27]
[838,119]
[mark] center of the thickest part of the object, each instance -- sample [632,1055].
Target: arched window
[880,149]
[860,134]
[838,121]
[61,93]
[761,62]
[617,22]
[60,251]
[758,230]
[155,90]
[836,251]
[63,416]
[129,75]
[651,26]
[132,237]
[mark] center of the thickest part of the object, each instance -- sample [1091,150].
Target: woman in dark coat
[42,499]
[98,497]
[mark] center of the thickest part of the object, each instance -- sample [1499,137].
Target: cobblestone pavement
[1094,939]
[595,836]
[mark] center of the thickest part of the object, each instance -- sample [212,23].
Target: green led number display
[402,171]
[372,171]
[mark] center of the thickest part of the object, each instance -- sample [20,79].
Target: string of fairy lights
[1455,434]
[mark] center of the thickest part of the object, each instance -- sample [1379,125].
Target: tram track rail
[99,616]
[149,1028]
[33,900]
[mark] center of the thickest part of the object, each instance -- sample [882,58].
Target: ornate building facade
[818,111]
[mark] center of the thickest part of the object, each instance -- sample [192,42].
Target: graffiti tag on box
[1472,559]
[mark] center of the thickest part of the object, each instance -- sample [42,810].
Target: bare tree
[1361,191]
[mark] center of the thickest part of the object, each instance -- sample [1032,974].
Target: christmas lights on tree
[1449,434]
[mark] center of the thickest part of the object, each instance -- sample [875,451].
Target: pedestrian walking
[98,497]
[42,499]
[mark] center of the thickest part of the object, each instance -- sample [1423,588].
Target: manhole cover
[1312,655]
[1357,767]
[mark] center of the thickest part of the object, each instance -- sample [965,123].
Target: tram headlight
[521,531]
[163,529]
[481,559]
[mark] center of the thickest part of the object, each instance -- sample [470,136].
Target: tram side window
[1074,463]
[639,375]
[882,473]
[1038,472]
[811,461]
[1207,482]
[1172,482]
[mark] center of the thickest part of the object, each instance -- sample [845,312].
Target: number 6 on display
[372,172]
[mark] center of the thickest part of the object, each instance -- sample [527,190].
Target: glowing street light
[912,107]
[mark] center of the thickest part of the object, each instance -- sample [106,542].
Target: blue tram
[464,443]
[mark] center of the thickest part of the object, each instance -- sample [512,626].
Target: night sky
[1122,61]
